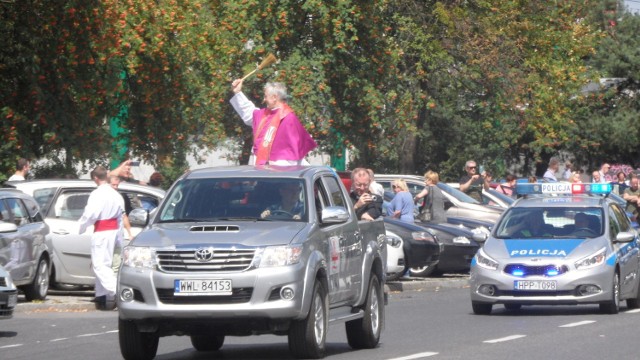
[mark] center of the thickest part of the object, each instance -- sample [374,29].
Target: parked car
[457,203]
[24,238]
[491,197]
[8,294]
[62,203]
[409,246]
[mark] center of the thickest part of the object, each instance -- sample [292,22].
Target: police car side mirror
[625,237]
[480,237]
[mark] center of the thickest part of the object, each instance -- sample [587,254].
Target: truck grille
[221,260]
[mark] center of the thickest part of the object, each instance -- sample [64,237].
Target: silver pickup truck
[249,250]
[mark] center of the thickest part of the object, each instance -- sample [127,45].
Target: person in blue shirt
[402,206]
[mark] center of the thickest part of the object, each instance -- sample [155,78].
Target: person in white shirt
[104,210]
[604,169]
[22,169]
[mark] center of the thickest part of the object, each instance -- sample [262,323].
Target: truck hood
[218,233]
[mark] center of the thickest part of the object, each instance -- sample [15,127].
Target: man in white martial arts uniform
[104,210]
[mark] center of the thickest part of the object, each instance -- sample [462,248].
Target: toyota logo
[204,254]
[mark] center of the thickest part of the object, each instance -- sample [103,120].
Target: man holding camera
[368,206]
[472,183]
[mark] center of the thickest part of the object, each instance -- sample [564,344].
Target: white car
[62,203]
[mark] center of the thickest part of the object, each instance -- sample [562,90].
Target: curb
[80,301]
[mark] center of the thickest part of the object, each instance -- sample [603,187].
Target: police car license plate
[202,287]
[542,285]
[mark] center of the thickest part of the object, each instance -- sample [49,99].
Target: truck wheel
[613,306]
[136,345]
[365,333]
[207,343]
[481,308]
[38,289]
[307,337]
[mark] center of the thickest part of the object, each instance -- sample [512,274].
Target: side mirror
[139,217]
[479,236]
[7,227]
[625,237]
[334,215]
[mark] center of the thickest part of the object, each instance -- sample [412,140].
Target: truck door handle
[61,232]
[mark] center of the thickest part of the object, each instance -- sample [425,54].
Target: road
[420,324]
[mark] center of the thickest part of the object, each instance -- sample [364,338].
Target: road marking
[85,335]
[508,338]
[416,356]
[579,323]
[111,331]
[60,339]
[10,346]
[633,311]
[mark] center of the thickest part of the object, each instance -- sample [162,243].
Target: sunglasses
[472,167]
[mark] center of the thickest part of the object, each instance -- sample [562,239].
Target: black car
[421,249]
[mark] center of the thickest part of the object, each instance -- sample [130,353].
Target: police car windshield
[550,223]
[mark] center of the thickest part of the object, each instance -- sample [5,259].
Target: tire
[365,333]
[395,276]
[613,306]
[38,289]
[307,337]
[423,271]
[634,303]
[136,345]
[207,343]
[481,308]
[513,306]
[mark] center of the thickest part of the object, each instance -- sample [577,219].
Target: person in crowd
[595,176]
[22,170]
[104,211]
[632,194]
[566,175]
[278,136]
[604,169]
[433,208]
[575,178]
[289,205]
[472,183]
[367,206]
[550,174]
[156,179]
[375,188]
[621,182]
[401,206]
[509,186]
[124,172]
[532,179]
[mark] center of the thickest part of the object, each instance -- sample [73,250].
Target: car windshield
[459,195]
[541,223]
[235,199]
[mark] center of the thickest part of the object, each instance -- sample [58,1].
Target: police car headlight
[485,261]
[590,261]
[277,256]
[139,257]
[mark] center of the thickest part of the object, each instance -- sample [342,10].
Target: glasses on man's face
[472,167]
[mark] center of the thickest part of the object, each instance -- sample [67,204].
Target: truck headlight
[277,256]
[592,260]
[139,257]
[484,261]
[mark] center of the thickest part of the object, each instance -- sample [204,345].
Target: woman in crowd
[433,209]
[509,187]
[402,206]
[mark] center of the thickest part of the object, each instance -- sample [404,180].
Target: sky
[633,5]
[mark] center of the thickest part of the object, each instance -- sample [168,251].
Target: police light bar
[563,188]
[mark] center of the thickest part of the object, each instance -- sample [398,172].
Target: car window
[621,217]
[44,196]
[614,226]
[335,192]
[459,195]
[4,212]
[33,209]
[238,198]
[70,204]
[17,208]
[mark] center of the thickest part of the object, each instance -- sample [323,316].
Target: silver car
[62,203]
[24,252]
[565,246]
[8,295]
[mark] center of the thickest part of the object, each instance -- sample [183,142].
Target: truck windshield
[269,199]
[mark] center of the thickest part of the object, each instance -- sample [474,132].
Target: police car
[558,244]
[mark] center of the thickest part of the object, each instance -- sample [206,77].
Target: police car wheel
[481,308]
[613,306]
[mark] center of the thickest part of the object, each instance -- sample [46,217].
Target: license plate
[13,301]
[543,285]
[202,287]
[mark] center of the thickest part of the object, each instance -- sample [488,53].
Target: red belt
[106,224]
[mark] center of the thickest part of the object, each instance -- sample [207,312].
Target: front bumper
[8,301]
[569,290]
